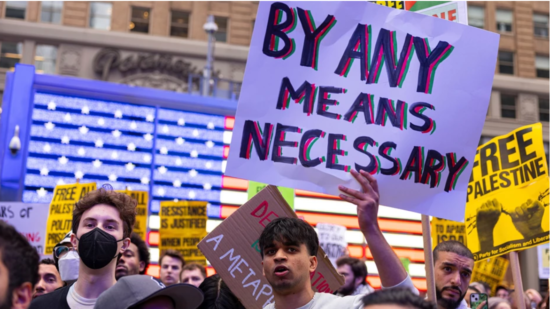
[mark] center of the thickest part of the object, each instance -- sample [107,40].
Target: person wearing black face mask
[102,224]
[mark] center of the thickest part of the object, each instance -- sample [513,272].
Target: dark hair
[48,261]
[19,258]
[397,296]
[125,205]
[192,266]
[143,250]
[501,287]
[172,253]
[452,246]
[217,295]
[358,267]
[289,230]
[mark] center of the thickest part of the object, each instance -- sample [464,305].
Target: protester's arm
[390,268]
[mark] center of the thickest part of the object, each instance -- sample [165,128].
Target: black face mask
[97,248]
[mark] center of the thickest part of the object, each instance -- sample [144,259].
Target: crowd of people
[101,264]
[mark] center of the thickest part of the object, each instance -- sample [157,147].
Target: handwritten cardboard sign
[507,208]
[335,86]
[29,220]
[60,215]
[182,227]
[332,238]
[232,249]
[142,209]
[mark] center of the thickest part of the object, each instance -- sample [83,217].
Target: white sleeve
[407,283]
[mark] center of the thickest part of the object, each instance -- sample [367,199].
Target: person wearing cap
[66,260]
[144,292]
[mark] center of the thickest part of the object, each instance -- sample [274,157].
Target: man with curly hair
[134,260]
[102,224]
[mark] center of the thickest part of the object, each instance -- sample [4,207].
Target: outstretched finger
[362,181]
[352,192]
[350,199]
[371,179]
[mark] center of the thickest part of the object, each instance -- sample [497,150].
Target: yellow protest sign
[443,230]
[507,197]
[182,227]
[491,271]
[60,215]
[142,198]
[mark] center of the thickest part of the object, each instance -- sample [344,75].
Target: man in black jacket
[102,224]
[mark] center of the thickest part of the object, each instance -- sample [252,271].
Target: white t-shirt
[329,301]
[76,301]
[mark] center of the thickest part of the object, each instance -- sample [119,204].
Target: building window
[221,34]
[484,140]
[507,106]
[540,25]
[506,62]
[542,63]
[505,19]
[100,15]
[476,16]
[543,109]
[44,59]
[50,12]
[10,54]
[180,24]
[140,20]
[16,9]
[546,150]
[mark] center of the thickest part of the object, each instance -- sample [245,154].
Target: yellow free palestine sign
[443,230]
[142,198]
[507,198]
[182,227]
[60,215]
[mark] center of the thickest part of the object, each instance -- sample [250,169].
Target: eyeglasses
[60,250]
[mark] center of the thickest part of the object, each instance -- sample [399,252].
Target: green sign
[406,262]
[255,187]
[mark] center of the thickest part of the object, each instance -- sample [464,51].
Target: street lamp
[210,27]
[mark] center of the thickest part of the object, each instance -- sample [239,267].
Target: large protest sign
[60,215]
[491,271]
[332,238]
[543,252]
[182,227]
[507,206]
[233,250]
[29,220]
[142,198]
[255,188]
[444,230]
[360,90]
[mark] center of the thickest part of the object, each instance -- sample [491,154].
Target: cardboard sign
[332,238]
[491,271]
[60,214]
[232,249]
[255,187]
[443,230]
[544,261]
[29,220]
[142,210]
[363,86]
[182,227]
[507,207]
